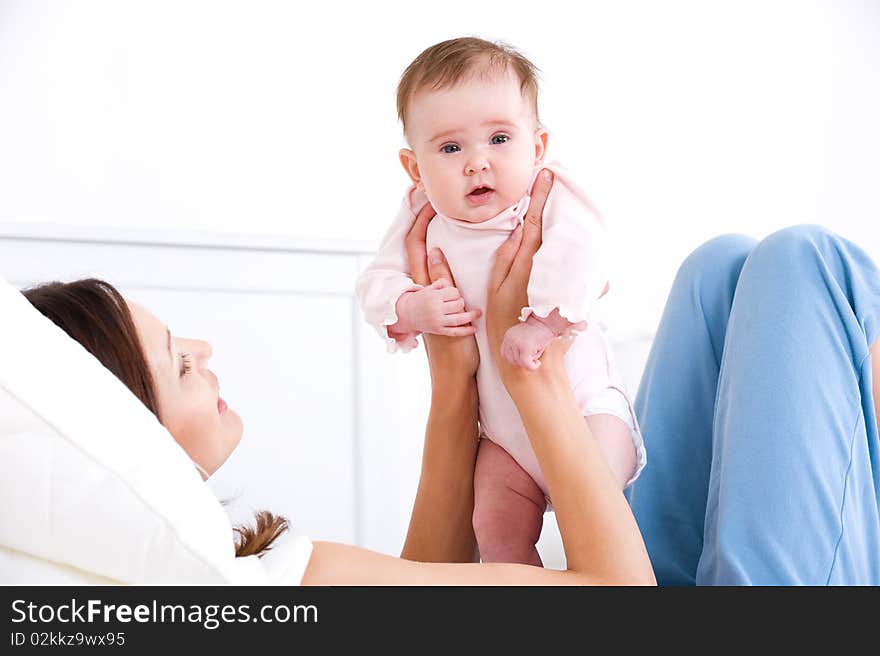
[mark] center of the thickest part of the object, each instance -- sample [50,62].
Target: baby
[469,113]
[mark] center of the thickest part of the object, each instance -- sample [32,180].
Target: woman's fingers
[532,220]
[415,245]
[504,257]
[438,268]
[532,225]
[514,257]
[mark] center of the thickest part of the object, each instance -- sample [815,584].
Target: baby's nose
[478,165]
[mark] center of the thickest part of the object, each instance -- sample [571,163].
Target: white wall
[683,119]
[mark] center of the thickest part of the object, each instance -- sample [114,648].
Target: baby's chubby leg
[616,444]
[508,508]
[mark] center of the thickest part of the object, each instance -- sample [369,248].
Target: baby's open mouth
[479,191]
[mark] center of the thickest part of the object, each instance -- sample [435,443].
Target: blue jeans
[757,412]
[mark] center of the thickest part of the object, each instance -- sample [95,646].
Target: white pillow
[92,487]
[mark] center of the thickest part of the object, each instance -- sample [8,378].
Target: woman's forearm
[600,534]
[440,528]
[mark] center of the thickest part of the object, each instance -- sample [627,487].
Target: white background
[682,120]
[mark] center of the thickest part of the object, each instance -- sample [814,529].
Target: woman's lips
[221,406]
[481,196]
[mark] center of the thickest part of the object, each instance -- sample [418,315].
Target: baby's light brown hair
[445,64]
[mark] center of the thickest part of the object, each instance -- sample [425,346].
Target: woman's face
[187,392]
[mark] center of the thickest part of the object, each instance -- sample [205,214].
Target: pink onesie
[568,272]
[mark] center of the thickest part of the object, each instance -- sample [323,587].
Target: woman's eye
[185,364]
[450,148]
[500,139]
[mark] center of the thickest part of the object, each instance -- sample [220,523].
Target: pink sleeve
[388,276]
[569,270]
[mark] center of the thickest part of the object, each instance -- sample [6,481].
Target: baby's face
[474,145]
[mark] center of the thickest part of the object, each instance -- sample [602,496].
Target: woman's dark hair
[95,314]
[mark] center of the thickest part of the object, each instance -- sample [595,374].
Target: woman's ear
[541,136]
[411,166]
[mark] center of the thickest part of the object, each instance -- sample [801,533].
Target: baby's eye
[450,148]
[500,139]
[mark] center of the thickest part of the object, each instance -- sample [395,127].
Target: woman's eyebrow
[170,354]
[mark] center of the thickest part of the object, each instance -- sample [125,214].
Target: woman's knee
[794,242]
[715,261]
[808,266]
[790,251]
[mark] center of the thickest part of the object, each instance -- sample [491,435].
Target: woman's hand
[509,282]
[440,528]
[446,355]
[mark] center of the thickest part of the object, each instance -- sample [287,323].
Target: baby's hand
[438,309]
[525,342]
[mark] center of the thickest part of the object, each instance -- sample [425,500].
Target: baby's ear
[541,136]
[411,166]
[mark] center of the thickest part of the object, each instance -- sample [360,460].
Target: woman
[757,404]
[601,540]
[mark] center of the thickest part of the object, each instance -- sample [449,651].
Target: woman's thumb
[438,267]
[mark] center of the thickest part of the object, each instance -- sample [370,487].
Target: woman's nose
[202,351]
